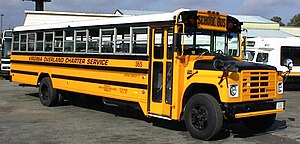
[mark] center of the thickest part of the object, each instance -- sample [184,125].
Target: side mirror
[289,64]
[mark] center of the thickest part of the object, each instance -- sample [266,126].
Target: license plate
[280,105]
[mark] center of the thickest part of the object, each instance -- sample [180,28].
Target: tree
[278,20]
[295,21]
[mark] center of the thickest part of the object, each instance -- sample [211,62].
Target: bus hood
[229,64]
[243,65]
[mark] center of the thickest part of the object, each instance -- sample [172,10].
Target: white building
[48,17]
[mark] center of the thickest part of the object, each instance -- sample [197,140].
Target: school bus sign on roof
[211,20]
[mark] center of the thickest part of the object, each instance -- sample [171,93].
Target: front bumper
[249,109]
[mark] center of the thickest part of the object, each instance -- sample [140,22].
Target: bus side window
[39,41]
[31,40]
[58,41]
[49,42]
[69,41]
[107,40]
[80,41]
[16,42]
[93,41]
[123,40]
[23,42]
[139,40]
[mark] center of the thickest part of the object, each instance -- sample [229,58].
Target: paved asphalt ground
[23,120]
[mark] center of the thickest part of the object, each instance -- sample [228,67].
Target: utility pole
[39,4]
[2,15]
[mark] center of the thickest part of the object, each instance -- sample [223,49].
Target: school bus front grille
[258,85]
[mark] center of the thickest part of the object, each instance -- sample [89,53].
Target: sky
[13,10]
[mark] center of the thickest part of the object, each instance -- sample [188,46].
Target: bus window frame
[22,42]
[39,41]
[112,41]
[76,31]
[16,42]
[123,40]
[65,37]
[31,42]
[92,39]
[62,36]
[50,42]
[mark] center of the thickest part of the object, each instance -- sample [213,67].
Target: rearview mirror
[289,64]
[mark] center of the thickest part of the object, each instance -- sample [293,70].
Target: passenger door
[161,72]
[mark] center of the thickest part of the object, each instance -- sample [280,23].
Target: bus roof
[7,33]
[272,43]
[164,17]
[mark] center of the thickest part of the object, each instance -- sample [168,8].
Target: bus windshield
[6,48]
[197,41]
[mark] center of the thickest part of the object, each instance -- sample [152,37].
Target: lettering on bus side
[54,59]
[87,61]
[108,88]
[75,60]
[211,21]
[35,58]
[123,90]
[97,62]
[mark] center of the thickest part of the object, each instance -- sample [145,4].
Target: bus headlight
[234,90]
[280,88]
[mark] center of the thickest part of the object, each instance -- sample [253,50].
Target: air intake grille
[258,85]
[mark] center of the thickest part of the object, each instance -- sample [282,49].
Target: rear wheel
[48,96]
[203,116]
[259,123]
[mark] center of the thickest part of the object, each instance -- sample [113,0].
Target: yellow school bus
[184,65]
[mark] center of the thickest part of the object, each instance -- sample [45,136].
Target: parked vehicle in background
[274,51]
[6,51]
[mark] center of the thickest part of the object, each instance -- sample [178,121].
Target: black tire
[259,123]
[48,96]
[60,99]
[203,116]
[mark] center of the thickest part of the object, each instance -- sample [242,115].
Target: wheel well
[41,76]
[199,88]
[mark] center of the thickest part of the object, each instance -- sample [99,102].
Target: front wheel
[259,123]
[203,116]
[48,96]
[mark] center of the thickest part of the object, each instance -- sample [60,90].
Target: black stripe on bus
[118,69]
[123,57]
[116,83]
[5,62]
[25,72]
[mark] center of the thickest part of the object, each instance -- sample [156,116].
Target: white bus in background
[5,57]
[274,51]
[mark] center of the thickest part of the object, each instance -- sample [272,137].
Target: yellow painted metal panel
[212,21]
